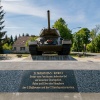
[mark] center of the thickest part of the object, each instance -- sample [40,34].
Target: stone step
[61,57]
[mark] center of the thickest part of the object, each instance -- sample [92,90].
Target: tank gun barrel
[48,14]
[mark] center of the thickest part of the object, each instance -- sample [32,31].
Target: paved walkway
[94,57]
[88,59]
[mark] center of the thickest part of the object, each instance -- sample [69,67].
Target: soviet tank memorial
[54,63]
[50,41]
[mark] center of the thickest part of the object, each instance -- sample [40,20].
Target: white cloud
[23,8]
[31,9]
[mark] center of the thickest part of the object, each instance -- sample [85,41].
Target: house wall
[21,51]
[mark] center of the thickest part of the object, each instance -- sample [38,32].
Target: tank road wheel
[33,49]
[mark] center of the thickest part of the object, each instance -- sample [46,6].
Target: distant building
[20,45]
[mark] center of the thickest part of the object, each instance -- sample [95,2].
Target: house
[20,45]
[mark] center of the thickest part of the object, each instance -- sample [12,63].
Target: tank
[49,41]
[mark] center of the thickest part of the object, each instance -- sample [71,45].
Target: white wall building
[20,45]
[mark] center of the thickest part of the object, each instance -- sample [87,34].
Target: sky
[30,16]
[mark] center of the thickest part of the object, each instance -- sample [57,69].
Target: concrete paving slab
[46,65]
[49,96]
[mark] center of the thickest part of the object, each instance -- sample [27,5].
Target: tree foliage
[81,39]
[61,25]
[11,40]
[27,34]
[15,38]
[96,43]
[31,39]
[94,32]
[2,33]
[94,46]
[6,46]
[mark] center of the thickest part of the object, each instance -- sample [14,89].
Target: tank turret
[49,31]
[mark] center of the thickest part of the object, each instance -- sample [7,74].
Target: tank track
[33,50]
[65,50]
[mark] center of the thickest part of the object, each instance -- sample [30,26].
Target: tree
[96,43]
[2,33]
[7,39]
[23,34]
[15,38]
[84,35]
[27,34]
[11,40]
[61,25]
[6,46]
[81,39]
[94,32]
[90,47]
[77,42]
[95,40]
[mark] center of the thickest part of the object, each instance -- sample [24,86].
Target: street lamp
[75,28]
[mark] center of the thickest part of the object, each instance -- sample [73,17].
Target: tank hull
[59,49]
[46,48]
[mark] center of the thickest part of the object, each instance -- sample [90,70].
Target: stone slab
[51,57]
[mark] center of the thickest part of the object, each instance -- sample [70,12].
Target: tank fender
[66,42]
[33,43]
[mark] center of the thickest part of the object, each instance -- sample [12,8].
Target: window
[22,48]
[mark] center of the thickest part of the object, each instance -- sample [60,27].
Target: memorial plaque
[48,81]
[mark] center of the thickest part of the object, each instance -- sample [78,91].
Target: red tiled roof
[21,41]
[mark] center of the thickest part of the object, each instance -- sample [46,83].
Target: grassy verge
[80,55]
[22,55]
[25,55]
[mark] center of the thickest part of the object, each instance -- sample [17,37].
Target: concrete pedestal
[85,72]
